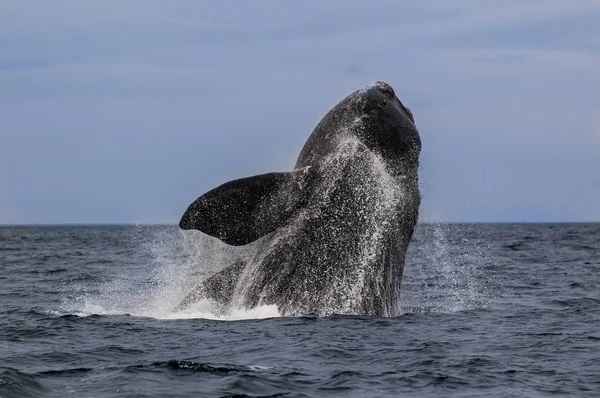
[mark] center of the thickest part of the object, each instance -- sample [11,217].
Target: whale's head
[388,124]
[378,88]
[377,118]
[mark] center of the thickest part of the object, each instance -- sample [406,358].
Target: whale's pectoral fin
[241,211]
[219,287]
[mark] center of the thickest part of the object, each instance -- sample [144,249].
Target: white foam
[204,309]
[177,263]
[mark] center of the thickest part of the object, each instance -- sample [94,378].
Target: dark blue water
[489,310]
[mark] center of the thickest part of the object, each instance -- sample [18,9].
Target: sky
[126,111]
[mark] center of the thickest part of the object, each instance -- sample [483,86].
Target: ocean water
[493,310]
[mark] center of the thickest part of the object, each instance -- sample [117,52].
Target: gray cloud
[125,111]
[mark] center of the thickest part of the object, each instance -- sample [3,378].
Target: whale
[331,235]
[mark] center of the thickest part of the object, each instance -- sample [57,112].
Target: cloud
[481,16]
[120,111]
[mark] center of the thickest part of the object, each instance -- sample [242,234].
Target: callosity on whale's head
[374,116]
[336,228]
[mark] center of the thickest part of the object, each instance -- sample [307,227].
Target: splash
[175,264]
[447,271]
[443,270]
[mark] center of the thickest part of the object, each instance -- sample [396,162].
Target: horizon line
[129,224]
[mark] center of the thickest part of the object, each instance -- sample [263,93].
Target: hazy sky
[126,111]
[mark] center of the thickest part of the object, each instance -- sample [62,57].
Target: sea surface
[492,310]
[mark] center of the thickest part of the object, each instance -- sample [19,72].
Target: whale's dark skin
[335,229]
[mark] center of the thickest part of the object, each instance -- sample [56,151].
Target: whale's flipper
[219,287]
[241,211]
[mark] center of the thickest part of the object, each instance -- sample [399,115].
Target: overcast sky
[126,111]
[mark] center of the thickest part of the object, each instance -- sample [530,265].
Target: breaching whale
[330,236]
